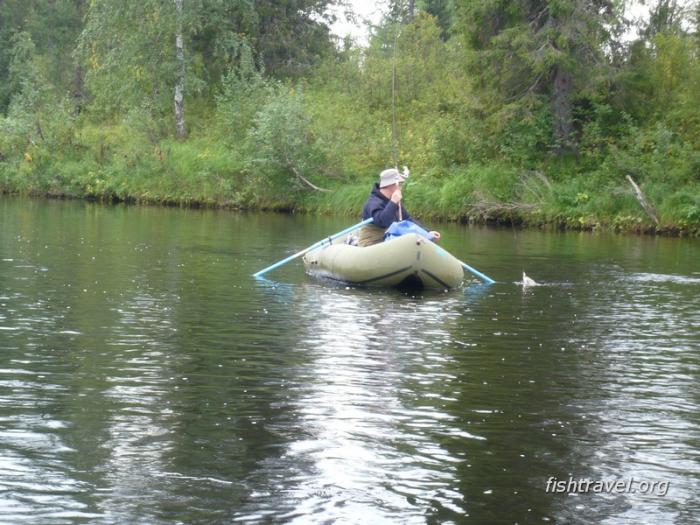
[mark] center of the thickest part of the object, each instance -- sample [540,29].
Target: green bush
[282,148]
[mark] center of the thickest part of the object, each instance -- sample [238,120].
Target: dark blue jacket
[383,210]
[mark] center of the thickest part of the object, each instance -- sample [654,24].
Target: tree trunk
[180,130]
[562,110]
[78,84]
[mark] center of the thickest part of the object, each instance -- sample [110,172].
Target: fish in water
[527,281]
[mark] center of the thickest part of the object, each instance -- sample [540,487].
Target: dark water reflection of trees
[144,376]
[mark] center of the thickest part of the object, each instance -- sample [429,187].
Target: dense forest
[571,113]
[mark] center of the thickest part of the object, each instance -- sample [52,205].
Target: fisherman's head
[390,180]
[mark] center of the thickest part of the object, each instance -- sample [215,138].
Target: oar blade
[477,273]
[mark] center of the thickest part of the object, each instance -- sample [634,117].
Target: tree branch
[648,208]
[302,178]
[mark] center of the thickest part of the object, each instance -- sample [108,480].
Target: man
[383,206]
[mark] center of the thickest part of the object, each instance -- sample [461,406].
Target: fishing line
[394,128]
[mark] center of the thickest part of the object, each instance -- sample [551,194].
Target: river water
[145,377]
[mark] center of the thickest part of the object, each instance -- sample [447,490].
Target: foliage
[283,149]
[525,111]
[244,90]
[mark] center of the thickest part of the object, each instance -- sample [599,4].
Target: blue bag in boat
[397,229]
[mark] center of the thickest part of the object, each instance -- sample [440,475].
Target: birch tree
[180,82]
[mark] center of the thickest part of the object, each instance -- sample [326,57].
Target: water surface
[146,377]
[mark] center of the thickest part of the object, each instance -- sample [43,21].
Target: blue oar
[320,243]
[476,272]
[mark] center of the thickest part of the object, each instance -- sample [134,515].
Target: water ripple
[145,377]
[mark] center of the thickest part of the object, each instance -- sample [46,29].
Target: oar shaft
[312,247]
[283,262]
[476,272]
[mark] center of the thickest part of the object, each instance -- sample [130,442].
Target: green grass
[115,162]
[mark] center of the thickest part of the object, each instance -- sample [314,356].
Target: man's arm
[384,217]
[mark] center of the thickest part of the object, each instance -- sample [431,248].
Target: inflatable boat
[406,261]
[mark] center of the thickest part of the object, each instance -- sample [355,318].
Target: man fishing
[385,206]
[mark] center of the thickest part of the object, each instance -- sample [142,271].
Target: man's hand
[396,196]
[436,235]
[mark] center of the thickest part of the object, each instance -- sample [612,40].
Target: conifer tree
[548,50]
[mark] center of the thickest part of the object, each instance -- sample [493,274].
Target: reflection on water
[646,425]
[145,377]
[366,356]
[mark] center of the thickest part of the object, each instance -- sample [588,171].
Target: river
[145,377]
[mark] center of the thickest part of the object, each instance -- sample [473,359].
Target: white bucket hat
[392,176]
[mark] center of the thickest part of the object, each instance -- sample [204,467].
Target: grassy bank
[115,164]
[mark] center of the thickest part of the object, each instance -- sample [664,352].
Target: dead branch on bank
[304,179]
[645,204]
[485,208]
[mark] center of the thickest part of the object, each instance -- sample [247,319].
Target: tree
[128,51]
[443,11]
[52,26]
[665,16]
[24,76]
[545,49]
[292,35]
[181,131]
[283,143]
[147,53]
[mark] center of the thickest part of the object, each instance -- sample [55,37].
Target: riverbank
[275,166]
[479,195]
